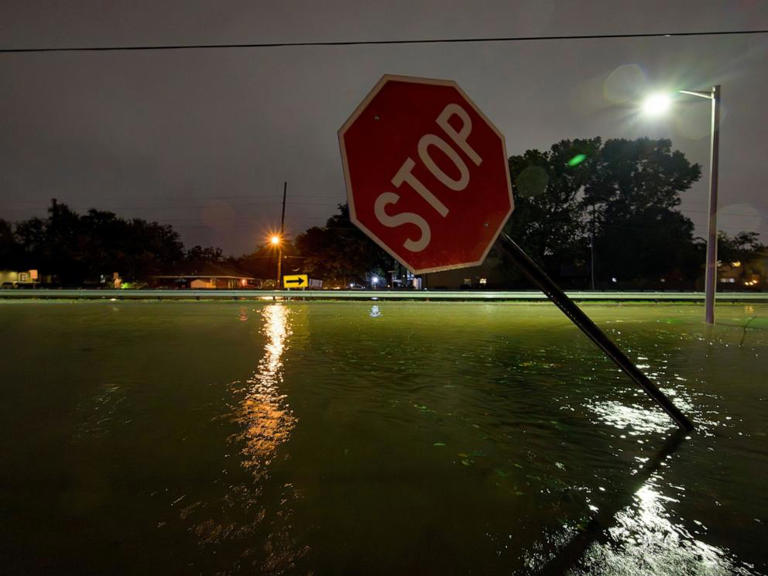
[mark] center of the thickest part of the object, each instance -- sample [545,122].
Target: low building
[19,279]
[208,276]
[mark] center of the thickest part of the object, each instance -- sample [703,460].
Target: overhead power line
[473,40]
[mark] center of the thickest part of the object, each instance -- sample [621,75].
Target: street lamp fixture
[276,241]
[657,104]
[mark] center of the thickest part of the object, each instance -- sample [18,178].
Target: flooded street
[379,438]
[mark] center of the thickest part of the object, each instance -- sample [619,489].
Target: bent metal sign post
[427,179]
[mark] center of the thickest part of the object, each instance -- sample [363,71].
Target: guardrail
[460,295]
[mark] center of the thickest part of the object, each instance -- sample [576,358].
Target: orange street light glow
[274,240]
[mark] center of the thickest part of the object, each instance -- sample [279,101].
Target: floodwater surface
[378,438]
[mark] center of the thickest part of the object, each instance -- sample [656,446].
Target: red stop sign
[426,173]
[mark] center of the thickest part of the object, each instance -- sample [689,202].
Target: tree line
[593,213]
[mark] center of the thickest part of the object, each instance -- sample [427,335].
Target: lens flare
[576,160]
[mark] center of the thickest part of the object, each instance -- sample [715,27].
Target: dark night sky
[203,139]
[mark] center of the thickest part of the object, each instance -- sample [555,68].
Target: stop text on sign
[405,175]
[426,173]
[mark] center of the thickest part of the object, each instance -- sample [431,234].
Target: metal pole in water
[710,282]
[710,276]
[536,275]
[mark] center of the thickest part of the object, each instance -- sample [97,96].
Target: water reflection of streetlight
[657,104]
[256,515]
[265,414]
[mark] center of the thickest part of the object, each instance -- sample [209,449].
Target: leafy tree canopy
[340,253]
[742,247]
[81,248]
[618,197]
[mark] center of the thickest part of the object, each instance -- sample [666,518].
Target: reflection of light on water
[646,540]
[257,515]
[98,415]
[265,413]
[633,419]
[644,537]
[636,420]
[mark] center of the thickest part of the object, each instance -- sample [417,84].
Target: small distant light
[736,264]
[374,280]
[483,281]
[576,160]
[614,279]
[274,240]
[656,104]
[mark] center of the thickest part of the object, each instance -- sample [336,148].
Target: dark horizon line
[471,40]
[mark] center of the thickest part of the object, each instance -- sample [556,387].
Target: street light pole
[710,277]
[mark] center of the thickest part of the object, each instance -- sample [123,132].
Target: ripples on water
[395,438]
[645,534]
[253,521]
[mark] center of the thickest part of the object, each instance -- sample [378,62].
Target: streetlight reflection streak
[265,414]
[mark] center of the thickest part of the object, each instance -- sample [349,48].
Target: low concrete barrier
[460,295]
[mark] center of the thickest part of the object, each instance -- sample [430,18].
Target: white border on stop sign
[347,179]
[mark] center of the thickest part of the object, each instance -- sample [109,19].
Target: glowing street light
[276,241]
[657,104]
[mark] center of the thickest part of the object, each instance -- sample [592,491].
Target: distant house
[207,276]
[22,279]
[749,275]
[486,276]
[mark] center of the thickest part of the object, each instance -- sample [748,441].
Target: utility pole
[592,247]
[282,239]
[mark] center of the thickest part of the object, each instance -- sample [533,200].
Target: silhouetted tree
[741,247]
[340,253]
[620,194]
[78,248]
[10,249]
[198,258]
[548,221]
[634,191]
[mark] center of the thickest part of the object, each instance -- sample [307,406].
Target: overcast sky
[203,139]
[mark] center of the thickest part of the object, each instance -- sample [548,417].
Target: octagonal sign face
[426,173]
